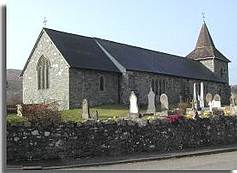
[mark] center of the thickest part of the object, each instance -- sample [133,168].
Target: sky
[170,26]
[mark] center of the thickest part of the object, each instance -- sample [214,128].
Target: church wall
[224,66]
[58,76]
[140,82]
[86,84]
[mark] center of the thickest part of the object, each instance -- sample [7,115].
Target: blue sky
[170,26]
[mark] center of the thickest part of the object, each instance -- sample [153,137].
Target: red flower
[174,118]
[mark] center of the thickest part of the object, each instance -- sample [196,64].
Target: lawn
[105,112]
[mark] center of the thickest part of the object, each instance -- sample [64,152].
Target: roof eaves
[28,60]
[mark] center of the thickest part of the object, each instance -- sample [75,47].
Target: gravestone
[133,107]
[232,100]
[209,101]
[85,110]
[201,98]
[95,115]
[208,97]
[19,110]
[151,102]
[164,102]
[216,103]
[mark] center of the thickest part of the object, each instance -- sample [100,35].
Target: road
[221,161]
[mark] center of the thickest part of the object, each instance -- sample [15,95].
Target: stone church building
[67,68]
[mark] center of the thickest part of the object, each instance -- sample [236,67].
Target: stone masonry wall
[113,138]
[141,82]
[85,84]
[224,66]
[58,76]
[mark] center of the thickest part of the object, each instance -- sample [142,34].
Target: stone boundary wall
[112,138]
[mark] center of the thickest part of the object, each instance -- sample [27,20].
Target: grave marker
[164,102]
[151,102]
[216,103]
[133,107]
[85,110]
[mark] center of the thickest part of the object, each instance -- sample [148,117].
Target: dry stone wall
[112,138]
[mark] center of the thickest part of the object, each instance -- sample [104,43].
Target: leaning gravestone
[85,110]
[164,102]
[216,103]
[133,108]
[151,102]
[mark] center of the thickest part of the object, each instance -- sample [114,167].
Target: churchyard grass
[74,115]
[104,111]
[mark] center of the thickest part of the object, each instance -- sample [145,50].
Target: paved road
[221,161]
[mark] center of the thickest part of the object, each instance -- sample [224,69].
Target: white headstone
[201,99]
[208,97]
[164,102]
[151,102]
[195,96]
[232,100]
[216,103]
[133,108]
[210,106]
[85,110]
[19,110]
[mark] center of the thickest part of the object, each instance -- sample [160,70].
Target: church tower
[206,53]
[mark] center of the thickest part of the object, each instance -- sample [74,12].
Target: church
[66,68]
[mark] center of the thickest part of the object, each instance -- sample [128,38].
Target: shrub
[41,113]
[218,112]
[174,118]
[14,119]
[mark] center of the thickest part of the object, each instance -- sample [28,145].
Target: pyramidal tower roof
[205,47]
[204,38]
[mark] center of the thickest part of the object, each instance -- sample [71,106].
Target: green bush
[14,119]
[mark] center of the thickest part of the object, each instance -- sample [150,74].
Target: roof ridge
[146,49]
[91,37]
[67,33]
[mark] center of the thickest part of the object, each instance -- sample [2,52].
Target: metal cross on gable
[45,21]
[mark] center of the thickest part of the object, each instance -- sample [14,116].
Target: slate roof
[139,59]
[205,47]
[84,52]
[80,51]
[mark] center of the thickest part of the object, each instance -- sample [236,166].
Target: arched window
[157,86]
[164,86]
[102,83]
[43,73]
[153,84]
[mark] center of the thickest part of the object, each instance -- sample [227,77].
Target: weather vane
[203,17]
[45,21]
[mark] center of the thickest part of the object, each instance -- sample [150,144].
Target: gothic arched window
[153,84]
[43,73]
[102,83]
